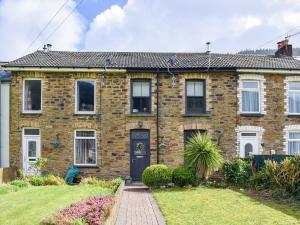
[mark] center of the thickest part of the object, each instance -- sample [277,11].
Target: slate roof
[4,75]
[151,60]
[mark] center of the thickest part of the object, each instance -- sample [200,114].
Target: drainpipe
[157,117]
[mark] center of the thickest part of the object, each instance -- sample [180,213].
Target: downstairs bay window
[85,148]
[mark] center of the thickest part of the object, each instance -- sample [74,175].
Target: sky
[145,25]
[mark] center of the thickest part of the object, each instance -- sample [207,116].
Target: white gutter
[60,69]
[275,71]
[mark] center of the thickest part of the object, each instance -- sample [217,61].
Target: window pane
[199,89]
[294,102]
[293,147]
[85,96]
[32,95]
[248,134]
[294,135]
[250,101]
[190,90]
[141,104]
[248,149]
[145,89]
[294,86]
[85,151]
[31,148]
[136,89]
[250,84]
[195,105]
[31,132]
[85,133]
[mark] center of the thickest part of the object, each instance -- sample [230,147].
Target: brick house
[112,114]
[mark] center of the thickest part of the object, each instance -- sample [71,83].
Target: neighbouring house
[4,116]
[114,113]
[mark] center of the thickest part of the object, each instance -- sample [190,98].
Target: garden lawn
[33,204]
[222,206]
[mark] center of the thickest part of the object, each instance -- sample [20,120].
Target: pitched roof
[151,60]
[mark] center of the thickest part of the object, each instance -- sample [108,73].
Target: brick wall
[113,120]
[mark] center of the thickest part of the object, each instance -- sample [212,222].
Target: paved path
[138,207]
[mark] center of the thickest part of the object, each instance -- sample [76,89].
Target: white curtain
[294,102]
[250,101]
[294,147]
[85,151]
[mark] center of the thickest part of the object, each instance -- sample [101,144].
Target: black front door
[139,153]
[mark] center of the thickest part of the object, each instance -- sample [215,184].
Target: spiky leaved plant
[202,155]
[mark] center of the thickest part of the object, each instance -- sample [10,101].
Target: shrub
[20,183]
[37,180]
[39,165]
[93,211]
[236,172]
[202,155]
[183,176]
[260,181]
[112,184]
[157,175]
[53,180]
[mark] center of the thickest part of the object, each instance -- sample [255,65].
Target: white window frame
[288,139]
[96,151]
[258,89]
[76,101]
[288,96]
[23,98]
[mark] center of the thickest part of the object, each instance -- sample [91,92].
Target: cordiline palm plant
[202,155]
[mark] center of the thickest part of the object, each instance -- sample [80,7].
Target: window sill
[293,115]
[252,115]
[84,114]
[197,115]
[86,166]
[141,115]
[32,113]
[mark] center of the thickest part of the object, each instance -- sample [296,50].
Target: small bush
[37,180]
[236,172]
[157,175]
[112,184]
[183,176]
[260,181]
[20,183]
[54,180]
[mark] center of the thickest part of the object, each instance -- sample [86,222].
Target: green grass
[33,204]
[209,206]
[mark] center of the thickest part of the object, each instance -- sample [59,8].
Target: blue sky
[146,25]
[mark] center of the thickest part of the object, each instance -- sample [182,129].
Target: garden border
[111,220]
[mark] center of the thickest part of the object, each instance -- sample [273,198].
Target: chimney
[284,49]
[47,47]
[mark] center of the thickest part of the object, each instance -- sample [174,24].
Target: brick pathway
[138,207]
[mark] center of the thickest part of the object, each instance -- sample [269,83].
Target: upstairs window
[294,97]
[85,96]
[140,96]
[85,147]
[32,96]
[250,92]
[195,98]
[294,143]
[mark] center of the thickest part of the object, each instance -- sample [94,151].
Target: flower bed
[92,211]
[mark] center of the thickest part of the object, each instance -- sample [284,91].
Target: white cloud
[21,21]
[176,25]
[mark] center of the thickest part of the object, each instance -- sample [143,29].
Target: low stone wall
[111,220]
[7,174]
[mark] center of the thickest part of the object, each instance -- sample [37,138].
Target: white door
[31,152]
[249,144]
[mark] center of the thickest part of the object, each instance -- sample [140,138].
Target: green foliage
[202,155]
[260,181]
[45,180]
[20,183]
[284,175]
[112,184]
[6,188]
[157,175]
[39,165]
[236,172]
[183,176]
[20,174]
[78,221]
